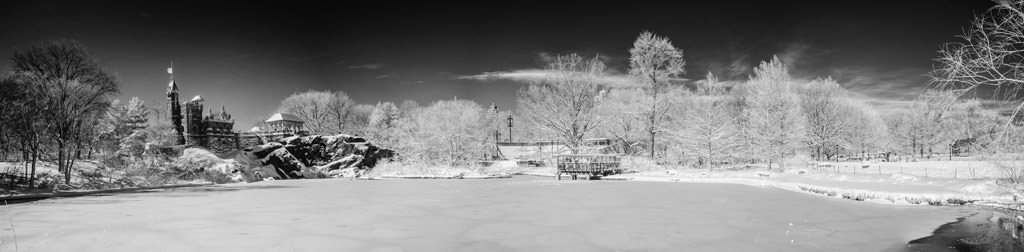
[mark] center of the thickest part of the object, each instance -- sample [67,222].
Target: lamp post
[510,128]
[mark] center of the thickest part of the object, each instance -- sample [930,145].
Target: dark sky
[250,55]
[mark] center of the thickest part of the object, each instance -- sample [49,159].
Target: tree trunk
[782,161]
[25,158]
[652,143]
[817,155]
[32,176]
[61,159]
[709,158]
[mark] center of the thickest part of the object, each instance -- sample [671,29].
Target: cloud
[367,66]
[382,76]
[794,53]
[885,89]
[536,75]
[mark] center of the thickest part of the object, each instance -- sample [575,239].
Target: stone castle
[216,131]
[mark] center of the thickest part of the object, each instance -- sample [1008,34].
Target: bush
[196,159]
[1011,170]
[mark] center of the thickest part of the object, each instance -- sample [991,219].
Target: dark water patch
[992,230]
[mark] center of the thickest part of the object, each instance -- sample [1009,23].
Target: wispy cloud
[885,89]
[794,54]
[537,75]
[382,76]
[367,66]
[411,82]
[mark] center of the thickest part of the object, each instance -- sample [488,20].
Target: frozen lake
[519,214]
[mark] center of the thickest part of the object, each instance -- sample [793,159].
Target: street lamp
[510,128]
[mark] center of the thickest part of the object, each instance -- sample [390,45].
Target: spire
[171,87]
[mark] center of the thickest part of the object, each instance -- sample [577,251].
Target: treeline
[53,99]
[58,105]
[769,117]
[449,132]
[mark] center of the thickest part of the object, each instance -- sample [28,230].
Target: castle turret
[174,107]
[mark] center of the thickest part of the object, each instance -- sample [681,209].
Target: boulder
[311,156]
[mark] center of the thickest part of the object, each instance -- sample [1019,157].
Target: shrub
[197,159]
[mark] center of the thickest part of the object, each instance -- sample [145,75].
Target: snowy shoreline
[872,196]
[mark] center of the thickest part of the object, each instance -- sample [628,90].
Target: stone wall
[248,141]
[221,143]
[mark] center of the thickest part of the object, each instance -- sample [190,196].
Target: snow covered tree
[824,105]
[452,132]
[774,112]
[654,60]
[934,109]
[921,125]
[620,110]
[381,123]
[564,104]
[747,147]
[408,107]
[313,107]
[868,130]
[137,115]
[710,132]
[133,146]
[359,118]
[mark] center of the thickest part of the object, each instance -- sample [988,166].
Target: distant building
[212,131]
[283,122]
[215,131]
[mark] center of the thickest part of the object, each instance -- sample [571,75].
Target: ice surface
[519,214]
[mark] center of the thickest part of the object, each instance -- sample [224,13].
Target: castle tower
[174,107]
[194,129]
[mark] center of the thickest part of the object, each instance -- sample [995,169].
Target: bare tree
[339,110]
[313,107]
[73,89]
[655,60]
[21,120]
[989,55]
[824,106]
[774,112]
[564,104]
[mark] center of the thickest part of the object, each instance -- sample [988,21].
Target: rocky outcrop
[310,157]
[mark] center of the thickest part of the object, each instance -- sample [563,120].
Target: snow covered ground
[883,188]
[934,168]
[519,214]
